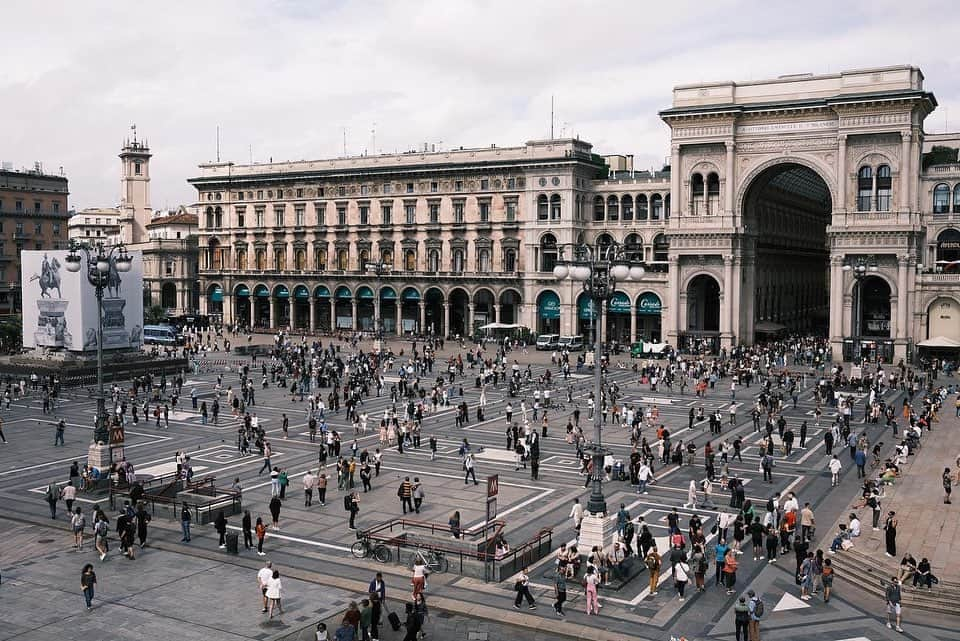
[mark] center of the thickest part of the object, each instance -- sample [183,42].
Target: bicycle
[364,548]
[432,559]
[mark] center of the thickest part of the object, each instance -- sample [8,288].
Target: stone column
[726,303]
[469,328]
[735,298]
[333,314]
[633,323]
[729,180]
[253,310]
[903,265]
[398,316]
[446,318]
[273,312]
[293,310]
[376,314]
[671,320]
[842,172]
[836,306]
[496,313]
[313,314]
[423,317]
[675,178]
[904,198]
[353,313]
[228,310]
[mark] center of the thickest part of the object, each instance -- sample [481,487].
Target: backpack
[102,528]
[757,608]
[347,502]
[703,566]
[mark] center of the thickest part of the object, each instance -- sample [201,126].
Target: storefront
[618,318]
[322,294]
[261,296]
[548,313]
[586,317]
[215,304]
[648,310]
[241,310]
[365,309]
[410,311]
[343,303]
[282,294]
[388,310]
[301,307]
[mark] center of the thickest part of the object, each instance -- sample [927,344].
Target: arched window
[215,261]
[209,217]
[941,199]
[483,261]
[656,207]
[364,259]
[241,259]
[661,249]
[410,260]
[642,207]
[218,217]
[456,261]
[510,261]
[713,195]
[603,242]
[626,207]
[599,213]
[433,261]
[548,252]
[280,259]
[666,207]
[956,199]
[884,188]
[543,207]
[579,210]
[386,257]
[633,243]
[948,246]
[320,260]
[260,257]
[300,259]
[343,259]
[864,188]
[613,208]
[555,207]
[698,192]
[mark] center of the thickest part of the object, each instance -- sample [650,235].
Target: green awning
[216,295]
[364,293]
[343,293]
[261,292]
[300,292]
[388,293]
[411,294]
[585,308]
[649,304]
[321,292]
[282,292]
[243,290]
[619,303]
[549,306]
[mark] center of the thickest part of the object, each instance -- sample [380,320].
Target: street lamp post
[599,268]
[99,259]
[379,268]
[859,266]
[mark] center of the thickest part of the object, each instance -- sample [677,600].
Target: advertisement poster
[60,307]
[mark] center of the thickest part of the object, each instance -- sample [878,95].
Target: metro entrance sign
[493,489]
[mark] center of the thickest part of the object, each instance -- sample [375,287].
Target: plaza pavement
[312,544]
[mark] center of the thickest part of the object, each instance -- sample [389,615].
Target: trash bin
[618,470]
[233,543]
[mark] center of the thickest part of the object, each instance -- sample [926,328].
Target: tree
[154,315]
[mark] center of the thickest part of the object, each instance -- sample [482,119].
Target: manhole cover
[45,541]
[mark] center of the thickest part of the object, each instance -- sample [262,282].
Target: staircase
[872,575]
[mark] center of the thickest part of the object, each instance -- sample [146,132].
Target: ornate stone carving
[704,131]
[786,145]
[866,120]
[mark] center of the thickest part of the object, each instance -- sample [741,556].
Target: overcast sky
[284,79]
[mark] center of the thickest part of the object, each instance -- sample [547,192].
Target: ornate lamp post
[99,259]
[599,268]
[379,268]
[860,267]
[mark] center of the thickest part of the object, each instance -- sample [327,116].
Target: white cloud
[285,78]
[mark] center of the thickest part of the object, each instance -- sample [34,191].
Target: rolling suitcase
[394,621]
[233,543]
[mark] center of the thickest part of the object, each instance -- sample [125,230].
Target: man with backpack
[755,607]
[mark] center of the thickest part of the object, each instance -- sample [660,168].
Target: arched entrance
[214,301]
[548,313]
[322,296]
[948,250]
[509,307]
[943,318]
[459,312]
[648,310]
[410,311]
[301,307]
[365,309]
[618,318]
[261,296]
[434,312]
[482,308]
[281,295]
[241,306]
[872,326]
[787,208]
[343,306]
[168,296]
[388,310]
[703,315]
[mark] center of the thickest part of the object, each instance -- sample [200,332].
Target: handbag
[846,544]
[518,586]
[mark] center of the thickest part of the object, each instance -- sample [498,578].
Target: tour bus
[160,335]
[548,341]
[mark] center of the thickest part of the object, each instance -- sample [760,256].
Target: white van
[160,335]
[547,341]
[571,343]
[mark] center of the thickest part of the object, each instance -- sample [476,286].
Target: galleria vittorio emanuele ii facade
[807,203]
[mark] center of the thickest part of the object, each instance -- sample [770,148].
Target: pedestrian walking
[890,534]
[741,619]
[275,505]
[263,576]
[835,466]
[185,519]
[653,562]
[560,592]
[88,580]
[51,496]
[755,607]
[827,579]
[522,587]
[246,526]
[77,523]
[681,575]
[220,524]
[275,593]
[143,519]
[469,471]
[590,581]
[261,531]
[353,507]
[893,604]
[2,437]
[69,495]
[101,530]
[947,485]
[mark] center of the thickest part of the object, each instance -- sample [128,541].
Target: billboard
[60,307]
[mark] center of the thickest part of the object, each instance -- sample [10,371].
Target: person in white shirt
[309,481]
[576,513]
[791,504]
[643,476]
[263,576]
[854,525]
[835,466]
[274,591]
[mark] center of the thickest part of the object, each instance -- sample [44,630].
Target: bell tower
[135,211]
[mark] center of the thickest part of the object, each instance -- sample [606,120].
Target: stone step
[870,576]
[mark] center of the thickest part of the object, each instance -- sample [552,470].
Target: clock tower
[135,211]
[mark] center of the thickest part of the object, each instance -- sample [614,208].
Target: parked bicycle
[366,547]
[432,559]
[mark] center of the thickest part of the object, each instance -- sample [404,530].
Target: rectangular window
[321,191]
[36,207]
[434,212]
[434,186]
[511,212]
[38,246]
[364,190]
[56,229]
[342,190]
[259,212]
[458,212]
[364,215]
[169,268]
[410,211]
[386,212]
[484,184]
[240,195]
[409,188]
[19,228]
[259,194]
[341,215]
[56,207]
[38,228]
[458,185]
[511,183]
[387,188]
[278,214]
[321,209]
[299,214]
[19,205]
[137,168]
[241,216]
[484,212]
[299,193]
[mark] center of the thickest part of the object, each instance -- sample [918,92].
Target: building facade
[33,215]
[774,192]
[95,224]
